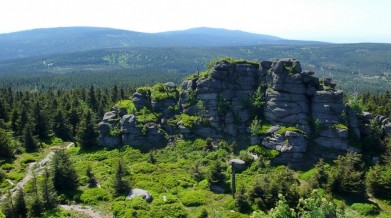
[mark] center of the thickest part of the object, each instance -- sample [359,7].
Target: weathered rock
[170,85]
[137,192]
[223,99]
[110,141]
[140,100]
[104,127]
[109,116]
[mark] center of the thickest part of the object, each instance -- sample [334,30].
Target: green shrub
[356,104]
[378,181]
[15,176]
[138,203]
[7,166]
[118,208]
[159,92]
[150,186]
[366,209]
[223,105]
[168,210]
[188,120]
[115,131]
[94,195]
[2,175]
[127,104]
[145,116]
[261,151]
[143,168]
[259,127]
[346,175]
[203,213]
[165,198]
[193,198]
[307,175]
[340,126]
[144,90]
[28,158]
[284,129]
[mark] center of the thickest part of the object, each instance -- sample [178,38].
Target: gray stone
[104,127]
[273,129]
[137,192]
[170,85]
[112,115]
[237,163]
[110,141]
[140,100]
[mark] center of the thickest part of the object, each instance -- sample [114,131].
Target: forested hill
[365,67]
[70,39]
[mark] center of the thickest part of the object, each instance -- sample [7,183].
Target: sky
[341,21]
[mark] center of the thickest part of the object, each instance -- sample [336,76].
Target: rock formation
[273,104]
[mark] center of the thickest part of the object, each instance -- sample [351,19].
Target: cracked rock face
[222,97]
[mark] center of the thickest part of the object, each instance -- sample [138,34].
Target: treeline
[378,104]
[103,78]
[29,119]
[362,66]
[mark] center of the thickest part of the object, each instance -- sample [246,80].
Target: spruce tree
[216,173]
[8,206]
[92,101]
[20,204]
[35,207]
[49,195]
[41,122]
[23,120]
[91,178]
[5,149]
[14,121]
[60,127]
[114,94]
[3,111]
[30,143]
[73,119]
[64,174]
[87,134]
[121,186]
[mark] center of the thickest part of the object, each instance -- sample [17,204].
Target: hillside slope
[39,42]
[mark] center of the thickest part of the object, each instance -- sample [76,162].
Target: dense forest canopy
[355,67]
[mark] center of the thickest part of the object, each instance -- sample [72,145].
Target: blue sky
[325,20]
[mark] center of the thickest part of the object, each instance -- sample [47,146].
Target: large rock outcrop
[236,101]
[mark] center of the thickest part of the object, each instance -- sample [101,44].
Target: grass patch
[261,151]
[285,129]
[340,126]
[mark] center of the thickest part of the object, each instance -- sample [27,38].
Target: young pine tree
[5,141]
[41,127]
[8,206]
[64,175]
[61,127]
[30,143]
[121,186]
[35,206]
[49,195]
[87,134]
[20,204]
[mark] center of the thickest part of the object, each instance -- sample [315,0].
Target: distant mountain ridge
[38,42]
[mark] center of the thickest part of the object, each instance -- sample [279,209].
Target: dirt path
[83,209]
[38,168]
